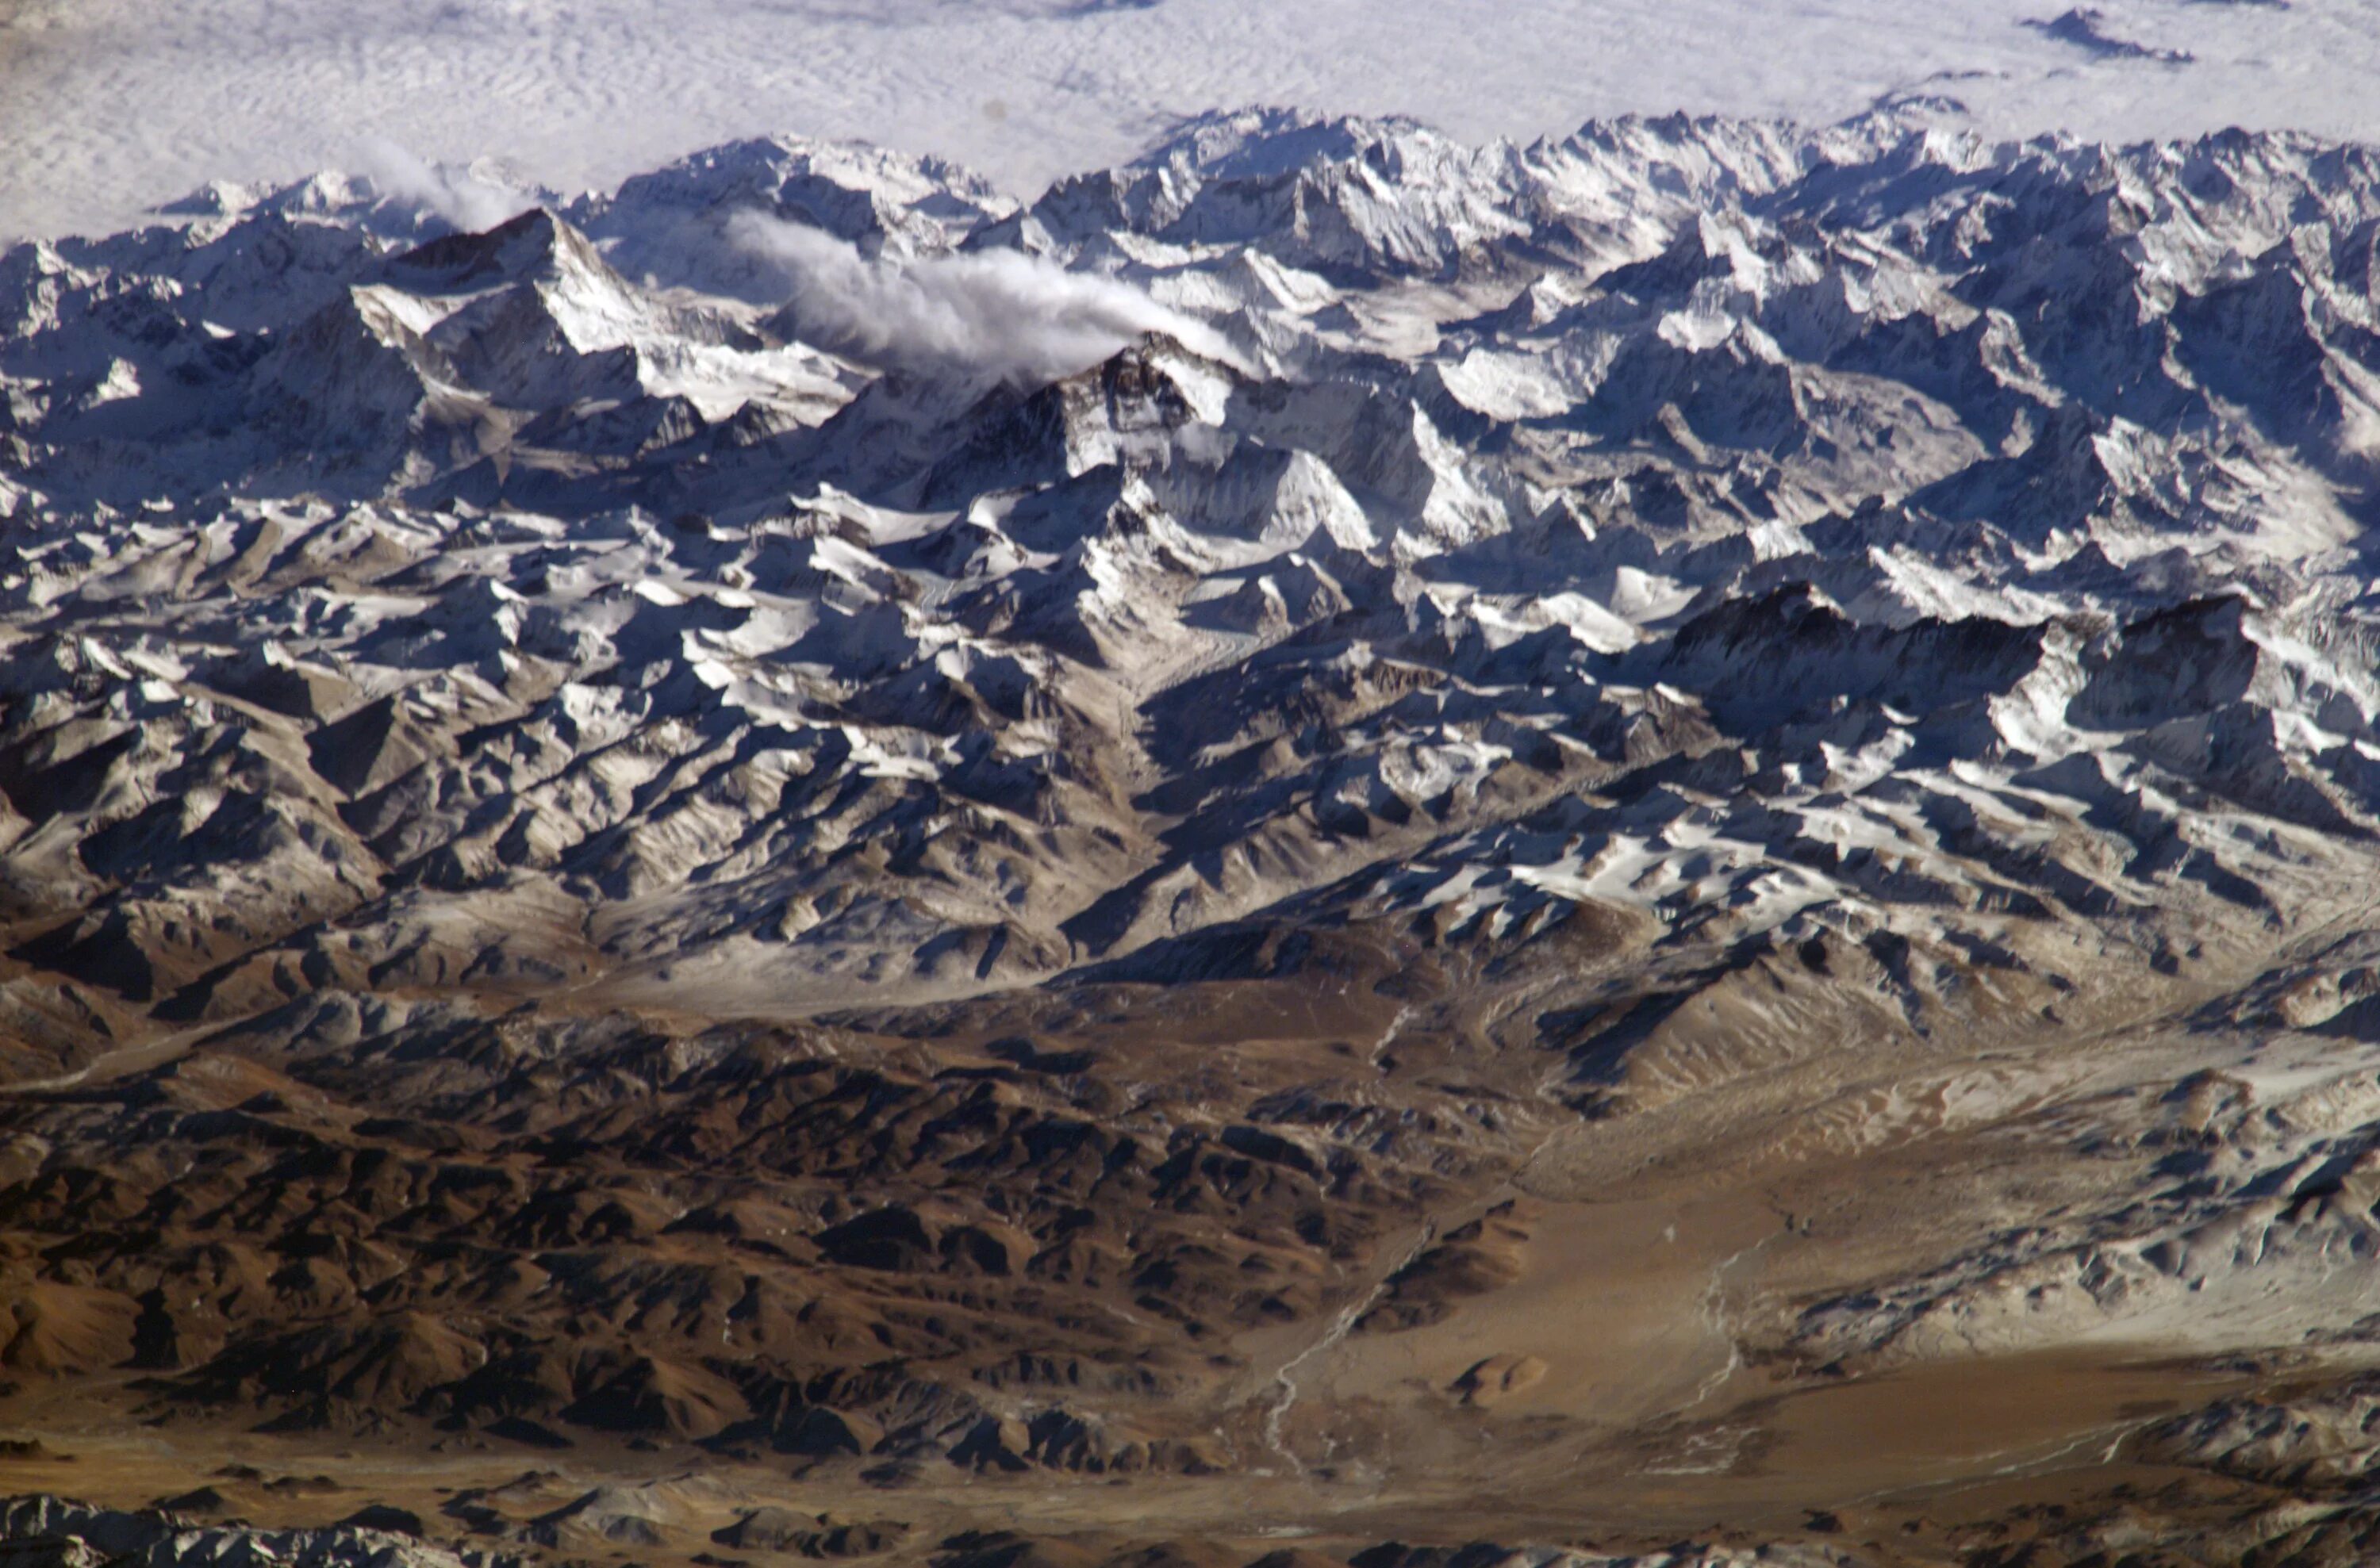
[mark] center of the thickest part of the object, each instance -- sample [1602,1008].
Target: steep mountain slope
[1328,820]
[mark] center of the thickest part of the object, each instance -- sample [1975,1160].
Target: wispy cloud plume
[992,316]
[457,194]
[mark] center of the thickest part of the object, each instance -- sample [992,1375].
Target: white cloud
[988,316]
[580,93]
[457,194]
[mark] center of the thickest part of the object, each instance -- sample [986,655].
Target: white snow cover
[992,316]
[108,106]
[1379,493]
[1869,550]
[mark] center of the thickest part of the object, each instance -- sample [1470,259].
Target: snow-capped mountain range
[1701,657]
[1865,530]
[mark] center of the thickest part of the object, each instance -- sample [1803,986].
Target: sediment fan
[1579,826]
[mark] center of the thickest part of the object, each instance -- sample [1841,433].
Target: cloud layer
[994,316]
[457,194]
[579,92]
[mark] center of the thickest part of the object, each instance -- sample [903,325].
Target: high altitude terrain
[582,93]
[1658,847]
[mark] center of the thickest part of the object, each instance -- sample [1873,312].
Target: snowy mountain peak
[1316,516]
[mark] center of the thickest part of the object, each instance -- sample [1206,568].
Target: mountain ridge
[1336,812]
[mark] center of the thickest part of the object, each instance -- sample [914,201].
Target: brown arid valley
[1340,849]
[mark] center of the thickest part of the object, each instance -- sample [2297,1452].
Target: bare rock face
[1492,1380]
[1365,554]
[42,1531]
[1376,822]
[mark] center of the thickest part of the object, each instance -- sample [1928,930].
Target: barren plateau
[1341,848]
